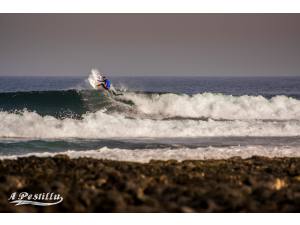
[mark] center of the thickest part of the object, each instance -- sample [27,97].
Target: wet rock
[297,178]
[279,184]
[17,182]
[258,184]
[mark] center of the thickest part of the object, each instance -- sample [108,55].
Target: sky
[150,44]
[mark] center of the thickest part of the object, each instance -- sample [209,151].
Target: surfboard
[94,79]
[93,83]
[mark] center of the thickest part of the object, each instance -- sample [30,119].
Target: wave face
[55,103]
[92,114]
[59,104]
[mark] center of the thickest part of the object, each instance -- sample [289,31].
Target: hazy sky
[150,44]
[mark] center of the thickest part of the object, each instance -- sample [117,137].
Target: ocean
[157,118]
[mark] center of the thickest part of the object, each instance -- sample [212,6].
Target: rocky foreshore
[257,184]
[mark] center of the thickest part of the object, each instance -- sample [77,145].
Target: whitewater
[217,106]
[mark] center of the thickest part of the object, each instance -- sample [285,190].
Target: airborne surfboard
[95,78]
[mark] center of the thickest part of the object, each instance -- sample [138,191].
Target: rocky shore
[257,184]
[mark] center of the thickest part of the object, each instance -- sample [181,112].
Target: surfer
[106,84]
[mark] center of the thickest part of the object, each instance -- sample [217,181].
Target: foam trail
[144,156]
[217,106]
[102,125]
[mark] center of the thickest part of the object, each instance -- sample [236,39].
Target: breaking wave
[103,125]
[217,106]
[92,114]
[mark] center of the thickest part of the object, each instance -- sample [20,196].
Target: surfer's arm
[103,85]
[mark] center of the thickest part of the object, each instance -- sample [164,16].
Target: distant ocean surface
[156,117]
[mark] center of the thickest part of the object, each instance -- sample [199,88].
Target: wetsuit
[107,86]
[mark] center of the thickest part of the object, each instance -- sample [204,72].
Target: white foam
[103,125]
[217,106]
[145,155]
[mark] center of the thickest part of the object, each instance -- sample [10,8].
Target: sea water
[156,117]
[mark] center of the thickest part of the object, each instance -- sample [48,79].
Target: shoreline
[256,184]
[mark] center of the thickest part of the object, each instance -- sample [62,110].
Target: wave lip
[216,106]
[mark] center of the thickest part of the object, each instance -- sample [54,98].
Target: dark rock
[258,184]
